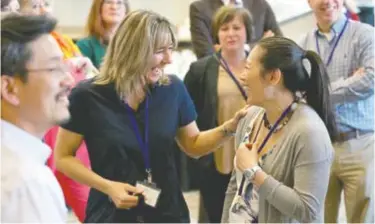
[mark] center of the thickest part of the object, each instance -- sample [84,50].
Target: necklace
[268,125]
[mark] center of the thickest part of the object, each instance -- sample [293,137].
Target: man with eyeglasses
[34,89]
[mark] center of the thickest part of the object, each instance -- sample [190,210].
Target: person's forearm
[74,168]
[356,87]
[208,141]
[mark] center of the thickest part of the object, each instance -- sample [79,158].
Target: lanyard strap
[144,146]
[282,116]
[334,46]
[224,64]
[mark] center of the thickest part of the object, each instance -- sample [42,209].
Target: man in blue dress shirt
[347,48]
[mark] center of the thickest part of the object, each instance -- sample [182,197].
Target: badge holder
[151,191]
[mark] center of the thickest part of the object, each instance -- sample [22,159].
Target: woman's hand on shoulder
[231,125]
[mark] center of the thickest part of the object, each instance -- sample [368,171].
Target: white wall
[72,14]
[72,18]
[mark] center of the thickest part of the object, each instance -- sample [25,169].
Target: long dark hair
[284,54]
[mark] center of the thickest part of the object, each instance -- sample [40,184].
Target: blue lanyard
[334,46]
[224,64]
[144,145]
[273,128]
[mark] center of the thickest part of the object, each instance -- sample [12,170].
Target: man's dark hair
[17,32]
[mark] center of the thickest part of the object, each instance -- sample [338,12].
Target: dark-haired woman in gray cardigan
[284,144]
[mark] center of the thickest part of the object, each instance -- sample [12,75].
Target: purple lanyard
[273,128]
[334,46]
[144,145]
[224,64]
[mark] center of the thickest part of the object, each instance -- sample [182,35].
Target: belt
[346,136]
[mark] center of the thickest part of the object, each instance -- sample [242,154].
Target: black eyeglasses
[61,69]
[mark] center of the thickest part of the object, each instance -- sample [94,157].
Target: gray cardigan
[298,169]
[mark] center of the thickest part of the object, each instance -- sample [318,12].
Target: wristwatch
[250,173]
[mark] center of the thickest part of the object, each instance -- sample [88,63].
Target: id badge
[151,192]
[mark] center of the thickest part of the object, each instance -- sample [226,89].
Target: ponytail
[318,95]
[284,54]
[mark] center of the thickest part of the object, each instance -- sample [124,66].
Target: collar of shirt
[23,143]
[237,2]
[335,28]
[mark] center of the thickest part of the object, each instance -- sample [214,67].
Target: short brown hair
[226,14]
[94,25]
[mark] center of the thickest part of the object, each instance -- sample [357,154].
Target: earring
[269,92]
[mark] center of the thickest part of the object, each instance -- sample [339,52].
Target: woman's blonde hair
[130,52]
[95,25]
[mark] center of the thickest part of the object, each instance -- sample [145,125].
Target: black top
[102,118]
[201,84]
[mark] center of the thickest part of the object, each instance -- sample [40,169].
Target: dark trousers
[213,186]
[367,15]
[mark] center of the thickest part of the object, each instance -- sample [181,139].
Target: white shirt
[29,190]
[237,2]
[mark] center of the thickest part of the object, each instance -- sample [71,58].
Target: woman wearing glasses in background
[9,6]
[284,155]
[103,20]
[213,83]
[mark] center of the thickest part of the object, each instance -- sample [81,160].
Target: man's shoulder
[361,26]
[257,4]
[261,6]
[303,40]
[200,3]
[20,172]
[205,7]
[29,189]
[361,30]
